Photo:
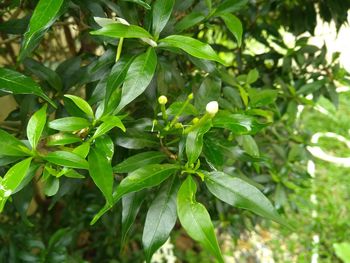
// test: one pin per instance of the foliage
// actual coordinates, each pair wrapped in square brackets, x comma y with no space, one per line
[178,111]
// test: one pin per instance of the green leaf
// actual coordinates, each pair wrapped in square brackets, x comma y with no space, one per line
[161,13]
[43,73]
[17,83]
[259,98]
[342,250]
[82,150]
[67,159]
[229,6]
[131,205]
[195,219]
[160,219]
[144,177]
[140,2]
[101,173]
[118,30]
[239,193]
[62,139]
[114,81]
[36,126]
[82,104]
[312,87]
[51,186]
[44,15]
[138,77]
[11,146]
[252,76]
[109,122]
[234,25]
[191,46]
[239,124]
[189,20]
[209,90]
[194,142]
[249,145]
[139,160]
[69,124]
[12,179]
[105,145]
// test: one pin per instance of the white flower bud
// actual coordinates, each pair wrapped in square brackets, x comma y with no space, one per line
[212,108]
[162,100]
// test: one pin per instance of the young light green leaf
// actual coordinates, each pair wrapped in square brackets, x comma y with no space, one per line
[109,122]
[195,218]
[82,104]
[239,193]
[234,25]
[44,15]
[191,46]
[139,160]
[131,205]
[36,126]
[11,146]
[194,142]
[17,83]
[67,159]
[161,218]
[161,13]
[12,179]
[118,30]
[101,173]
[69,124]
[138,77]
[252,76]
[62,139]
[144,177]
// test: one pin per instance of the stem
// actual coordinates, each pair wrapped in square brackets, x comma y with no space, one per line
[174,121]
[164,115]
[119,49]
[202,120]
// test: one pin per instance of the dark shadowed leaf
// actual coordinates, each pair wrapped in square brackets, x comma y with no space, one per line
[161,11]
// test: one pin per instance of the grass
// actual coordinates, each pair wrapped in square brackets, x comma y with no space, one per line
[331,187]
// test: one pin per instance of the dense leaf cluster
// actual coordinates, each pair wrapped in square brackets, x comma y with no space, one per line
[162,108]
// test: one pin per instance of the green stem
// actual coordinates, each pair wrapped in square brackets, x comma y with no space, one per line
[119,49]
[176,118]
[201,121]
[164,115]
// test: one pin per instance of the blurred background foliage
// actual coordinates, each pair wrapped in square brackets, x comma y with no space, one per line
[279,74]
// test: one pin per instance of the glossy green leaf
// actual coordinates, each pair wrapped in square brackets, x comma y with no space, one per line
[118,30]
[69,124]
[239,193]
[109,122]
[67,159]
[17,83]
[195,218]
[131,204]
[36,126]
[105,145]
[114,81]
[43,73]
[101,173]
[139,160]
[239,124]
[194,142]
[189,20]
[62,139]
[191,46]
[138,77]
[144,177]
[82,104]
[229,6]
[160,219]
[11,146]
[209,90]
[12,179]
[161,12]
[44,15]
[234,25]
